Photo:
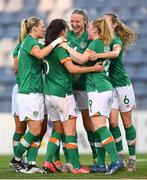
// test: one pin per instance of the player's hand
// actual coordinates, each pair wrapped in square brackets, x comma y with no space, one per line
[63,39]
[93,56]
[99,67]
[64,45]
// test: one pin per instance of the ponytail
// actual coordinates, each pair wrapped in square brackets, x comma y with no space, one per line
[127,35]
[23,30]
[26,26]
[105,31]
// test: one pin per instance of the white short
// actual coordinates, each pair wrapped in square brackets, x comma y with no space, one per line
[31,106]
[60,108]
[81,98]
[45,109]
[100,103]
[14,106]
[124,98]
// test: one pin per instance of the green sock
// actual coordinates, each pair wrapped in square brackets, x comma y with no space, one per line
[101,152]
[57,153]
[16,139]
[64,149]
[24,144]
[91,139]
[131,140]
[117,136]
[52,146]
[72,150]
[32,151]
[108,143]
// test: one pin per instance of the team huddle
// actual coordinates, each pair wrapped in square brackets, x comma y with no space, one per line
[78,68]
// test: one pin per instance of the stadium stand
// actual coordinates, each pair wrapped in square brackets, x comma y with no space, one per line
[2,5]
[14,6]
[133,12]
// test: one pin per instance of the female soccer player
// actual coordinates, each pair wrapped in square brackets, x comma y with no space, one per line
[30,98]
[20,127]
[100,90]
[77,38]
[59,99]
[124,101]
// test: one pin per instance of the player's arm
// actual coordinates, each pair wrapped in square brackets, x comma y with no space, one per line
[41,53]
[15,59]
[73,69]
[110,55]
[76,56]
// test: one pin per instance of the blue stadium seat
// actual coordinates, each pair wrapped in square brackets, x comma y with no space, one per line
[12,31]
[30,6]
[7,76]
[141,73]
[1,31]
[140,88]
[131,71]
[135,56]
[6,19]
[5,105]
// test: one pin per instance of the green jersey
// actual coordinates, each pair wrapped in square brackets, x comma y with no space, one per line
[15,54]
[57,78]
[79,43]
[98,81]
[16,50]
[118,75]
[29,68]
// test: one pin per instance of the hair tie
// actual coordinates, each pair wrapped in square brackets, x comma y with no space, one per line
[26,21]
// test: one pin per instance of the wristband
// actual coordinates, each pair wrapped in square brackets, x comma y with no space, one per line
[56,42]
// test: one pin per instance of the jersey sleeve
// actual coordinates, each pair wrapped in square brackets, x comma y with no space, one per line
[29,44]
[96,46]
[90,47]
[63,55]
[116,41]
[16,50]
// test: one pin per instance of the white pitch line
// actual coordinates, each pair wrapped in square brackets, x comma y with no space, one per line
[141,160]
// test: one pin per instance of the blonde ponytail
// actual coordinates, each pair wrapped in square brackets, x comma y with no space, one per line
[26,26]
[23,30]
[105,31]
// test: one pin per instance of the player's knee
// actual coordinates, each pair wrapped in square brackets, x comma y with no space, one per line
[127,124]
[113,124]
[36,131]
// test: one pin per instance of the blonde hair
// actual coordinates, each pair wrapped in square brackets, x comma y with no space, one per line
[127,35]
[105,30]
[26,26]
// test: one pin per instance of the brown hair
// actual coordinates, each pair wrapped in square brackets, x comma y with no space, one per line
[55,27]
[105,30]
[127,35]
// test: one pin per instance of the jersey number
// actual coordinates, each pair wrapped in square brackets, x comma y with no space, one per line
[106,65]
[126,100]
[46,67]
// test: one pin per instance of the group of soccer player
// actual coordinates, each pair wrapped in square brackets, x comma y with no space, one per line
[78,68]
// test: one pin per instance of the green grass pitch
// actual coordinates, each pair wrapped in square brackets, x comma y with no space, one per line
[8,173]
